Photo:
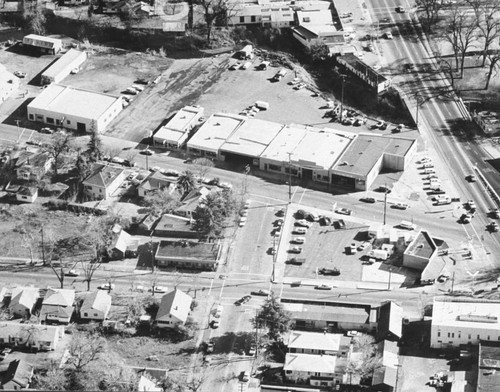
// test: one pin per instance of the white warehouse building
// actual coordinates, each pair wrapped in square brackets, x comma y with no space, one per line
[460,321]
[174,134]
[74,108]
[63,66]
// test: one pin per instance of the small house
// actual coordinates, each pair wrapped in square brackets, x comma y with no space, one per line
[57,306]
[33,336]
[23,301]
[27,194]
[96,306]
[174,309]
[15,375]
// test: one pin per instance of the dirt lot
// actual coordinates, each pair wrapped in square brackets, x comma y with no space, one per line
[325,247]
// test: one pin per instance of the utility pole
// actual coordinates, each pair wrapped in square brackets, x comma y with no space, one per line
[43,247]
[274,259]
[147,162]
[343,76]
[389,282]
[385,204]
[289,178]
[247,171]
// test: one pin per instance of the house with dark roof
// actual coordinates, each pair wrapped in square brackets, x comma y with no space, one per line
[96,306]
[191,201]
[156,181]
[103,181]
[174,309]
[175,227]
[32,166]
[15,375]
[23,300]
[389,321]
[188,254]
[57,306]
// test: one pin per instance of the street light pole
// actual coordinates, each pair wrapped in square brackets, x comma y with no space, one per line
[385,205]
[289,178]
[389,282]
[342,98]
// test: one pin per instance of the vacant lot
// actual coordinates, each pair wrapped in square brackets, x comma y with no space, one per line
[325,248]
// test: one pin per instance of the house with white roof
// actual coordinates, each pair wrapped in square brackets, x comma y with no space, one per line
[42,44]
[96,306]
[57,306]
[457,321]
[174,309]
[23,300]
[36,336]
[385,372]
[63,66]
[302,342]
[175,133]
[315,370]
[275,14]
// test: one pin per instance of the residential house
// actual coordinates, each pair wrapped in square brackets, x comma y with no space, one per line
[27,194]
[147,223]
[23,300]
[147,385]
[121,241]
[192,200]
[386,372]
[32,166]
[174,309]
[15,375]
[464,321]
[156,181]
[315,370]
[174,226]
[34,336]
[302,342]
[390,321]
[103,181]
[57,306]
[96,306]
[188,254]
[489,122]
[147,375]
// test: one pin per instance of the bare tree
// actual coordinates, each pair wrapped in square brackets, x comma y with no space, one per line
[216,12]
[430,10]
[131,156]
[111,152]
[488,23]
[84,349]
[202,167]
[89,268]
[494,62]
[460,33]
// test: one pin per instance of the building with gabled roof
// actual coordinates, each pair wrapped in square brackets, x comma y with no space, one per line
[303,342]
[36,336]
[276,14]
[156,181]
[74,108]
[96,306]
[315,370]
[27,194]
[23,300]
[103,181]
[15,375]
[63,66]
[385,373]
[32,166]
[57,305]
[390,321]
[174,309]
[175,133]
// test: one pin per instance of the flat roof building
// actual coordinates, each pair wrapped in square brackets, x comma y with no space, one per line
[174,134]
[488,379]
[63,66]
[363,71]
[188,254]
[42,44]
[420,251]
[74,108]
[213,134]
[458,321]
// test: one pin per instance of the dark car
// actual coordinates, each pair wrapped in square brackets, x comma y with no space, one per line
[296,261]
[329,271]
[368,200]
[301,214]
[243,300]
[281,212]
[383,189]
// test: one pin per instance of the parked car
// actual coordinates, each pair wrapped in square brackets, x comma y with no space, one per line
[20,74]
[72,273]
[295,249]
[363,246]
[471,178]
[368,200]
[300,230]
[4,353]
[343,211]
[303,223]
[244,376]
[131,90]
[298,240]
[295,261]
[388,35]
[329,271]
[147,151]
[210,347]
[383,189]
[465,218]
[471,205]
[47,130]
[280,212]
[159,289]
[400,206]
[252,350]
[243,221]
[106,286]
[493,226]
[352,334]
[494,213]
[214,324]
[400,9]
[323,287]
[235,66]
[398,128]
[260,292]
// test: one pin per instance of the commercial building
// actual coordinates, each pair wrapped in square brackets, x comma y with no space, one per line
[42,44]
[73,108]
[71,60]
[8,83]
[174,134]
[368,156]
[363,71]
[488,121]
[187,254]
[457,321]
[275,14]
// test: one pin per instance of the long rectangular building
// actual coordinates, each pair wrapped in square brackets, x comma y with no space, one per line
[63,66]
[74,108]
[42,44]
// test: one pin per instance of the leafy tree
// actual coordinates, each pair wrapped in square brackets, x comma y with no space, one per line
[273,317]
[52,379]
[210,215]
[186,182]
[430,12]
[83,165]
[161,201]
[95,148]
[202,167]
[215,12]
[318,50]
[57,148]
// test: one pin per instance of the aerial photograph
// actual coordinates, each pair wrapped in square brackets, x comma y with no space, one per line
[250,195]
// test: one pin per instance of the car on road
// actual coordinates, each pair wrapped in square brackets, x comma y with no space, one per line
[343,211]
[493,226]
[398,128]
[303,223]
[47,130]
[147,151]
[323,287]
[295,261]
[383,189]
[465,218]
[252,350]
[370,200]
[4,353]
[214,324]
[401,206]
[300,230]
[106,286]
[400,9]
[210,347]
[280,212]
[471,205]
[494,213]
[159,289]
[20,74]
[471,178]
[243,221]
[131,90]
[261,292]
[352,334]
[72,273]
[370,47]
[295,249]
[329,271]
[298,240]
[363,246]
[235,66]
[388,35]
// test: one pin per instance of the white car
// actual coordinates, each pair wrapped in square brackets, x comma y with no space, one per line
[107,286]
[401,206]
[242,222]
[343,211]
[75,71]
[159,289]
[388,35]
[303,223]
[131,90]
[298,240]
[296,249]
[300,230]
